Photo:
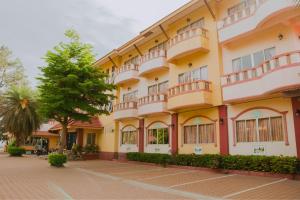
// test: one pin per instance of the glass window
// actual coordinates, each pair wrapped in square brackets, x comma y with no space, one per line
[260,129]
[160,46]
[246,62]
[152,89]
[276,128]
[204,73]
[129,137]
[258,58]
[91,139]
[237,64]
[269,53]
[196,24]
[158,136]
[190,134]
[246,130]
[200,73]
[206,133]
[163,87]
[132,96]
[159,88]
[134,60]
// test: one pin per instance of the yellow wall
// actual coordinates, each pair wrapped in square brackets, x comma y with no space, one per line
[107,137]
[53,142]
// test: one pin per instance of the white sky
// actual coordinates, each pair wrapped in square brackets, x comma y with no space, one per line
[31,27]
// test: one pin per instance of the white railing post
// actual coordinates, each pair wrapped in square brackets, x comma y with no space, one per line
[295,57]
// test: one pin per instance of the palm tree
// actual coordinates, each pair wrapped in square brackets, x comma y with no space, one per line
[18,113]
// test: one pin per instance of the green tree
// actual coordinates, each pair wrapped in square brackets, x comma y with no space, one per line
[18,113]
[71,87]
[11,70]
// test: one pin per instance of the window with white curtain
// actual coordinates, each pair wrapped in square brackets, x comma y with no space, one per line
[196,24]
[199,134]
[266,129]
[131,96]
[252,60]
[200,73]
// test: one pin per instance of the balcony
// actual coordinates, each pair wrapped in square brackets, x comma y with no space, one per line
[153,62]
[127,73]
[188,42]
[152,104]
[190,95]
[279,74]
[126,110]
[250,18]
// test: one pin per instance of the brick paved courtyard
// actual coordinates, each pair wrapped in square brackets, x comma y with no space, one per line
[32,178]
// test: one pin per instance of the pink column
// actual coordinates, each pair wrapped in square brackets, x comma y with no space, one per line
[174,146]
[141,135]
[223,129]
[296,114]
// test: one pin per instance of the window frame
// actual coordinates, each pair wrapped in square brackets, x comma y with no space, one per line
[258,129]
[129,134]
[189,76]
[198,135]
[253,57]
[201,24]
[165,135]
[91,139]
[134,96]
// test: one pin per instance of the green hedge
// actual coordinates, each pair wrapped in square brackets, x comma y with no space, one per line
[162,159]
[273,164]
[57,160]
[15,151]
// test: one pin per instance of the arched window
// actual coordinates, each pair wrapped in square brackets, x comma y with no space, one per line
[199,130]
[129,135]
[158,133]
[260,125]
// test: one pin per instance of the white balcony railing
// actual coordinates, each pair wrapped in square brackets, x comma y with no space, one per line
[189,87]
[153,55]
[152,99]
[268,66]
[126,73]
[125,106]
[241,14]
[190,33]
[126,68]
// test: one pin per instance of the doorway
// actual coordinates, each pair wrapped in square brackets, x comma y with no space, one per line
[71,139]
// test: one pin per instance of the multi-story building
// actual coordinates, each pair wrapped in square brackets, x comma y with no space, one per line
[217,76]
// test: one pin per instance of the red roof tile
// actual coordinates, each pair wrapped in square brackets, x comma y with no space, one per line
[93,124]
[44,133]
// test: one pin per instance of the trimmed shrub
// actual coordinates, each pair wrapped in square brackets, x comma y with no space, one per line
[89,148]
[57,160]
[15,151]
[162,159]
[273,164]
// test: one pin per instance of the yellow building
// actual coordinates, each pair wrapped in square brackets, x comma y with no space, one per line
[184,84]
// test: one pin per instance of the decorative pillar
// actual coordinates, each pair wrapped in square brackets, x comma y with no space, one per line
[223,129]
[296,116]
[79,136]
[174,124]
[141,135]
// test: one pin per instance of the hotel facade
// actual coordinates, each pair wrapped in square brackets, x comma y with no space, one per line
[213,77]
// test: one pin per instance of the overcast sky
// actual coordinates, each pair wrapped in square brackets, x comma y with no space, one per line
[31,27]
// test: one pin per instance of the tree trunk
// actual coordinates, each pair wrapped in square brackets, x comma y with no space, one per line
[62,139]
[18,140]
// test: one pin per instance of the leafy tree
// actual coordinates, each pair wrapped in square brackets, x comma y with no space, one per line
[71,87]
[11,70]
[18,113]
